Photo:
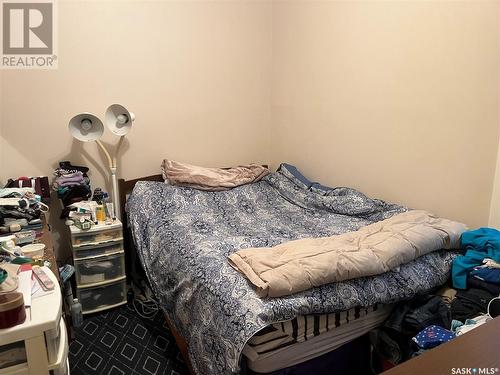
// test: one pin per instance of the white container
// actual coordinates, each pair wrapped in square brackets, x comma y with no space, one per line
[76,313]
[97,250]
[99,298]
[35,250]
[100,269]
[98,234]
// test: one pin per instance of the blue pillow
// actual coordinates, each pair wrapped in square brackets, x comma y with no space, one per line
[299,179]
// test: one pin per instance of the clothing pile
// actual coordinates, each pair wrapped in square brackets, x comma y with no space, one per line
[412,327]
[39,185]
[427,321]
[72,185]
[476,273]
[20,210]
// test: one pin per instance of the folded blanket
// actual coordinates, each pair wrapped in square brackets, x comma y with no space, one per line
[211,179]
[377,248]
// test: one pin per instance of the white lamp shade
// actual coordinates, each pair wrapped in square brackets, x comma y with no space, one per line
[86,127]
[118,119]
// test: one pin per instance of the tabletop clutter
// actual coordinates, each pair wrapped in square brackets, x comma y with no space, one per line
[22,272]
[23,202]
[73,189]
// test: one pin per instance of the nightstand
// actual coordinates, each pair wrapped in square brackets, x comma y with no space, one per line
[99,261]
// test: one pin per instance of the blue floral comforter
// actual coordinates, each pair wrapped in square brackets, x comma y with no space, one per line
[183,237]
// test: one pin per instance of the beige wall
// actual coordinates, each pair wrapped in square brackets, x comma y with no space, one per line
[197,75]
[398,99]
[494,219]
[2,157]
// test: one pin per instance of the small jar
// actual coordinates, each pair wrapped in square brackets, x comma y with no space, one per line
[12,310]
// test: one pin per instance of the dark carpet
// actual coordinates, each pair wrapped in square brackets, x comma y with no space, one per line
[119,341]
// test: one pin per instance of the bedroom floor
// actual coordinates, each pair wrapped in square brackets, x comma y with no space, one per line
[119,341]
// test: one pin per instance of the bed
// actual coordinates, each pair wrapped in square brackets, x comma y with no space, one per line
[182,237]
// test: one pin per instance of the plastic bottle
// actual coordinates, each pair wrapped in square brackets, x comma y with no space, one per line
[76,313]
[100,215]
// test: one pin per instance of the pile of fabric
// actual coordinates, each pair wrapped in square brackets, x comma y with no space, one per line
[72,184]
[20,209]
[428,321]
[476,273]
[411,328]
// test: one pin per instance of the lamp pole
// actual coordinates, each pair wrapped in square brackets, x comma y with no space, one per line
[112,163]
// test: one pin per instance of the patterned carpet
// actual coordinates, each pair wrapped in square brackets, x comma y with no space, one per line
[119,341]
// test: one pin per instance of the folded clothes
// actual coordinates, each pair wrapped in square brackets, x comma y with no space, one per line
[491,275]
[66,165]
[9,202]
[478,244]
[470,303]
[70,179]
[70,183]
[19,213]
[61,174]
[76,194]
[410,317]
[475,283]
[15,192]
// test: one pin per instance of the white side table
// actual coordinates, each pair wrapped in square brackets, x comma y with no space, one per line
[43,336]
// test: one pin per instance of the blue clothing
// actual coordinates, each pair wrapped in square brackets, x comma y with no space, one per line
[478,244]
[491,275]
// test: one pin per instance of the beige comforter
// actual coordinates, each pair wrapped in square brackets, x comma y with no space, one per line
[377,248]
[211,179]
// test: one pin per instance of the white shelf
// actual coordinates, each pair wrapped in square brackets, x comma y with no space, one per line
[62,353]
[90,245]
[101,283]
[104,308]
[45,314]
[99,256]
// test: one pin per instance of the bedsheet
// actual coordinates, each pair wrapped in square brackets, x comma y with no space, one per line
[183,237]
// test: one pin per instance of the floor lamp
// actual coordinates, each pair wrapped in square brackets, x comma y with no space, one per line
[87,127]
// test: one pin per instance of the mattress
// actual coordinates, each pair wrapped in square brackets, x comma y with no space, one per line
[303,338]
